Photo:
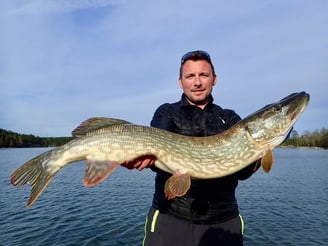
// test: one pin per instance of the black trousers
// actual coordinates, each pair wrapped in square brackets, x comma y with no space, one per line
[165,230]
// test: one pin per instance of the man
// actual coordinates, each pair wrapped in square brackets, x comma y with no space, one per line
[208,214]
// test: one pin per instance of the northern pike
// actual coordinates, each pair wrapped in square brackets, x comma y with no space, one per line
[106,143]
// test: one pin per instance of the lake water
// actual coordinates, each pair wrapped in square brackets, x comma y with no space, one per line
[288,206]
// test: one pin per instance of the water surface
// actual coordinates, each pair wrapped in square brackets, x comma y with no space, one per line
[288,206]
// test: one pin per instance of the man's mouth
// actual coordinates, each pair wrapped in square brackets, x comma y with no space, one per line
[198,91]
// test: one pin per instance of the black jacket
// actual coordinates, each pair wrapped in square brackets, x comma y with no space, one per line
[208,200]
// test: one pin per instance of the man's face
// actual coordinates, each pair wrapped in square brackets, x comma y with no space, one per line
[197,81]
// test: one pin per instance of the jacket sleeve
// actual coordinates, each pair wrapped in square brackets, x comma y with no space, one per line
[248,171]
[231,117]
[162,118]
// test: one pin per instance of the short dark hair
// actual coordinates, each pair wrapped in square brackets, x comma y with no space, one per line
[196,55]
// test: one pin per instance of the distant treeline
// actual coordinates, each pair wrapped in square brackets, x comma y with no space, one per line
[9,139]
[308,139]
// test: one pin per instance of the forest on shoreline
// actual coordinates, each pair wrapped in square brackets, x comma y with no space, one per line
[314,139]
[9,139]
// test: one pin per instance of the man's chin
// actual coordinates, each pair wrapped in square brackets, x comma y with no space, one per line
[199,101]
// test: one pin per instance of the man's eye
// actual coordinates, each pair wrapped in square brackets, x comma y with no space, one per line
[189,76]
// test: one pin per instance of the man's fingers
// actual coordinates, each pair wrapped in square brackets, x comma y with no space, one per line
[137,164]
[145,164]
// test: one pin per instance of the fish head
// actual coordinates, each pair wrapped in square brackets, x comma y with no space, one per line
[270,125]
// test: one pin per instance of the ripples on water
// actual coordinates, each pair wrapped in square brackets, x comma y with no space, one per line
[288,206]
[67,213]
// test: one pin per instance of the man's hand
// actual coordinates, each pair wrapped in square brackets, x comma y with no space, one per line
[140,163]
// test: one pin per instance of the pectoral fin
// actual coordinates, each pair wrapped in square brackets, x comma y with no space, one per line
[267,161]
[177,185]
[98,170]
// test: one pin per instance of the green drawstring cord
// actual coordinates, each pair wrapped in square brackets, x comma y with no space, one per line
[242,224]
[152,226]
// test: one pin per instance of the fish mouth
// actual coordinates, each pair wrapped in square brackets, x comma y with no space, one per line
[299,106]
[296,109]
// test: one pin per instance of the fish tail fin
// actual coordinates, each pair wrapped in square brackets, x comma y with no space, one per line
[177,185]
[98,170]
[35,173]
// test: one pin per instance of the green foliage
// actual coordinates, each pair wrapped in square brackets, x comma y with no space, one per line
[10,139]
[308,139]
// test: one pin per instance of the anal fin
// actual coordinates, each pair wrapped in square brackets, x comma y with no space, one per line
[177,185]
[98,170]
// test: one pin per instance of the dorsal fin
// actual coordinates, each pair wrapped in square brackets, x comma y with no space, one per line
[96,123]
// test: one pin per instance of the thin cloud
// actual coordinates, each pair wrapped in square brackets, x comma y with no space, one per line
[64,61]
[15,7]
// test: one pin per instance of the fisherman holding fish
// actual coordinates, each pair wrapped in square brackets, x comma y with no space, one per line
[198,150]
[208,213]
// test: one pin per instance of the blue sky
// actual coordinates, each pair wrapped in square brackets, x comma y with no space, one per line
[62,62]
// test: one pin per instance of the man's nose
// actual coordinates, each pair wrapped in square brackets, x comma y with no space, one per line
[198,80]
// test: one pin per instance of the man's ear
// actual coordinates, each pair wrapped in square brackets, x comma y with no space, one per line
[215,80]
[180,83]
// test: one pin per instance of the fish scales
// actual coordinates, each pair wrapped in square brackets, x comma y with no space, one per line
[205,158]
[106,143]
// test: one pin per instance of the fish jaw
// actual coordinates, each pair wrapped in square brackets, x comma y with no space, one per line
[270,125]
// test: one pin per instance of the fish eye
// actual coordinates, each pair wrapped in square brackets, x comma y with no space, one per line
[277,108]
